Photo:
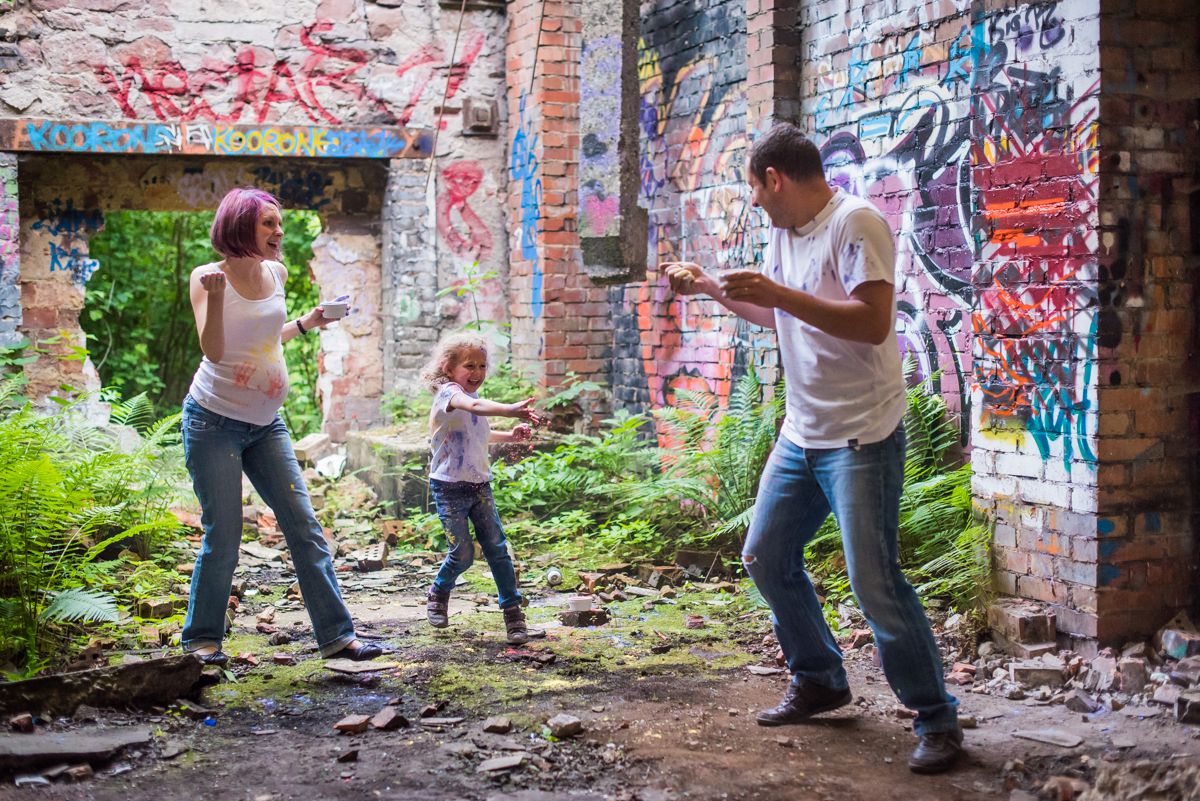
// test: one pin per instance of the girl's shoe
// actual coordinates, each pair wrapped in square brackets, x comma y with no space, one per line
[437,608]
[517,629]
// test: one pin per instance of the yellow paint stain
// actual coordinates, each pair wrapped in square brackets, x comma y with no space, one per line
[1008,435]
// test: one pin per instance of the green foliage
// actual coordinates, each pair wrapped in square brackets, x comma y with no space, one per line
[568,392]
[401,407]
[506,384]
[469,285]
[944,549]
[137,313]
[69,492]
[642,500]
[704,495]
[547,484]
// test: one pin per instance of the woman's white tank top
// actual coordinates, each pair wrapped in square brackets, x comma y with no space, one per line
[251,381]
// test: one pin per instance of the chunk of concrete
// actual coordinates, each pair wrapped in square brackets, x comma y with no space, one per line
[1035,674]
[1180,644]
[1187,707]
[590,617]
[563,725]
[24,751]
[152,682]
[312,448]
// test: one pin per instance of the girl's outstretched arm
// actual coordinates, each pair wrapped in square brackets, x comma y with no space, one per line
[487,408]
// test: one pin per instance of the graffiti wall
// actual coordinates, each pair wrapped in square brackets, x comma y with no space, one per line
[976,135]
[693,119]
[269,95]
[10,252]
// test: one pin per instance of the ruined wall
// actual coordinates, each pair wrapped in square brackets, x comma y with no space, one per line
[334,78]
[695,130]
[560,317]
[64,200]
[1148,382]
[974,130]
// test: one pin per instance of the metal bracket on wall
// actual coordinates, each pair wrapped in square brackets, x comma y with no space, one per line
[480,117]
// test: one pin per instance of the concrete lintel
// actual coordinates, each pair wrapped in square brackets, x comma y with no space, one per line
[209,139]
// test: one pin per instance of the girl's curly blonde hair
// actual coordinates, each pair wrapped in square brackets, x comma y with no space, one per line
[448,353]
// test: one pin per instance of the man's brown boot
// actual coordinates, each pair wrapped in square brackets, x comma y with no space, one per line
[802,701]
[437,608]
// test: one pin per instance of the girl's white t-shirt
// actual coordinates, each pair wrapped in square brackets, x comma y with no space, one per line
[251,380]
[839,393]
[459,439]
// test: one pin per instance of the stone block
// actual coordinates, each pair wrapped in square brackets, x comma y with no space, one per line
[374,558]
[1187,707]
[590,617]
[660,575]
[1036,674]
[1178,643]
[389,718]
[1131,675]
[353,724]
[313,447]
[1021,621]
[156,608]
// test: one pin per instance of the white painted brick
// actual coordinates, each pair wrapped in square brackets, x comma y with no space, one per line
[987,487]
[1033,517]
[1083,499]
[1019,464]
[1047,493]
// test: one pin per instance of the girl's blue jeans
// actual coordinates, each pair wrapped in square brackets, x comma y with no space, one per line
[457,503]
[217,450]
[861,485]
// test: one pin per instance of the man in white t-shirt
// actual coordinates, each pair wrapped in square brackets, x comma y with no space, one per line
[827,288]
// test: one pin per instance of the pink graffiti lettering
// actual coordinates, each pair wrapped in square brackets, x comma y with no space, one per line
[432,54]
[259,82]
[462,178]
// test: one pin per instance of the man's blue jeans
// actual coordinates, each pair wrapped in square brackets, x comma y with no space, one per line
[457,503]
[861,485]
[217,450]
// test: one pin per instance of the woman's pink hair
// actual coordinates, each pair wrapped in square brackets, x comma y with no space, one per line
[233,230]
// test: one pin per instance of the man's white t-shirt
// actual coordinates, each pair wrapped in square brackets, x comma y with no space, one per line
[459,440]
[839,393]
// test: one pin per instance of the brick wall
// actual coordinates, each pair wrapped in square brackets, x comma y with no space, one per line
[1149,406]
[975,134]
[695,128]
[320,78]
[561,320]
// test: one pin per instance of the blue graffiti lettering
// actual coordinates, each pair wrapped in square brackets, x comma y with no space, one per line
[523,167]
[77,264]
[65,219]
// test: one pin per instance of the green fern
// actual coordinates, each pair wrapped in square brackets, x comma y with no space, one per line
[68,493]
[85,606]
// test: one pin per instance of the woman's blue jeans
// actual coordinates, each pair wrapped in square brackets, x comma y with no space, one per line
[861,485]
[457,503]
[218,449]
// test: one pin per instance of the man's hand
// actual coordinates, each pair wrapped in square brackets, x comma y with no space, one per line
[751,286]
[686,277]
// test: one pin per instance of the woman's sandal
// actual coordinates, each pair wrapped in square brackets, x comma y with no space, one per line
[360,652]
[218,658]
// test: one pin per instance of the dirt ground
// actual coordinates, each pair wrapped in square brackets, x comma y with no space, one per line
[667,711]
